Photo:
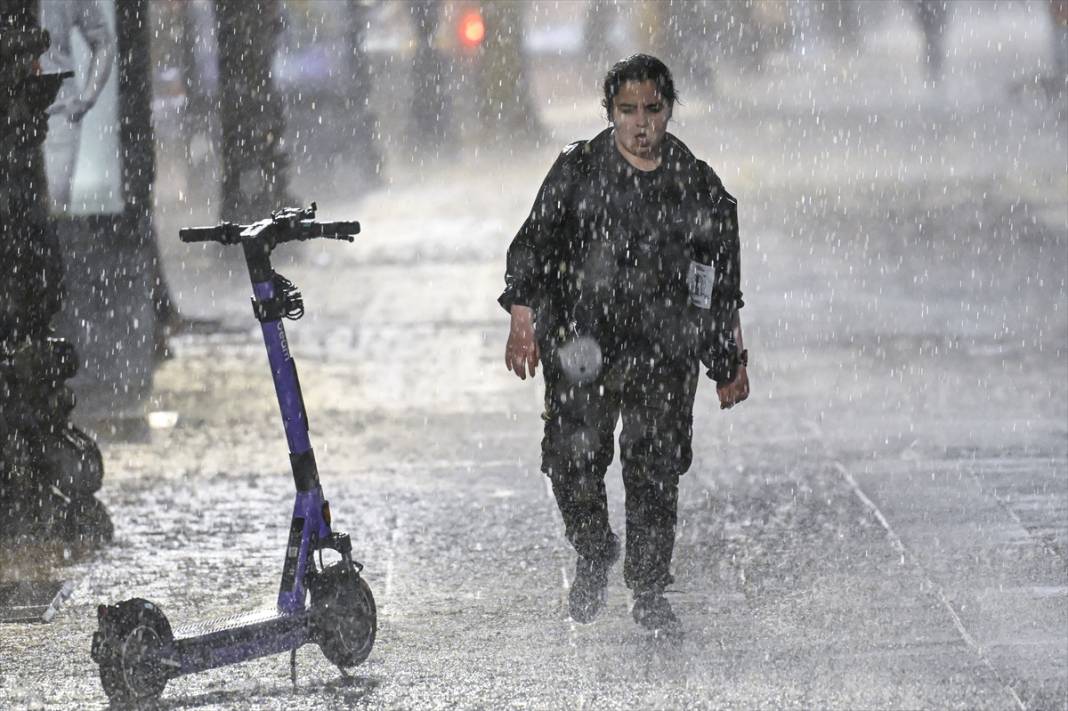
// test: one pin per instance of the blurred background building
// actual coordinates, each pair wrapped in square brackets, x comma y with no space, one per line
[364,83]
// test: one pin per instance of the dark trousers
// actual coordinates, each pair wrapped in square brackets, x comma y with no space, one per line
[655,400]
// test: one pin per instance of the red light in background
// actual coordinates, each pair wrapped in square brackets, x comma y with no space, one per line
[472,29]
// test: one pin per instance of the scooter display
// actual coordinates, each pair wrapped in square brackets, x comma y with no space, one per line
[137,650]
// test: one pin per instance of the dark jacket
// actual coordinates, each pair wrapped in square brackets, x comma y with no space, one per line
[607,249]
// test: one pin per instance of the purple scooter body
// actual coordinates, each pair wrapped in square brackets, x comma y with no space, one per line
[308,508]
[255,634]
[160,654]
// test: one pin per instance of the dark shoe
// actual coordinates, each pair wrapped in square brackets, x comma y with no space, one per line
[653,612]
[591,577]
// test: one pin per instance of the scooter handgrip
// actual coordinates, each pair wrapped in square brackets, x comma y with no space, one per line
[225,233]
[338,230]
[198,234]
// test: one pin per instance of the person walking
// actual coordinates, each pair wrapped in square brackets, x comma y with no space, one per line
[77,95]
[621,281]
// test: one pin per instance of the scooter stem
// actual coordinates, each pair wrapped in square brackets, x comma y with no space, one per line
[310,522]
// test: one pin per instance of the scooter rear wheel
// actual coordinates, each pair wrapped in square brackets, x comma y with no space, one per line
[133,636]
[344,615]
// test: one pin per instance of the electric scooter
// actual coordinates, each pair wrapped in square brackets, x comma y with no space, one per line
[134,645]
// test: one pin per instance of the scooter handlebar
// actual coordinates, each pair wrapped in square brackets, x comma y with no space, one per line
[230,233]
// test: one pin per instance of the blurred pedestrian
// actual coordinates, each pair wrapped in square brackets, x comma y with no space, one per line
[598,24]
[506,103]
[841,22]
[624,277]
[431,107]
[77,95]
[255,161]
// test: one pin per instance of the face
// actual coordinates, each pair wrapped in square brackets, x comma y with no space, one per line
[640,116]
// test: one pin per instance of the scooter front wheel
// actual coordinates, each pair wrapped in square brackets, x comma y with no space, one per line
[129,647]
[344,616]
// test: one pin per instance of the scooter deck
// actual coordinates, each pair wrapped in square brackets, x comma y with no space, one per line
[228,623]
[237,638]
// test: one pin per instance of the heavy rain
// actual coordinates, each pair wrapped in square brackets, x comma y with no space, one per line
[860,503]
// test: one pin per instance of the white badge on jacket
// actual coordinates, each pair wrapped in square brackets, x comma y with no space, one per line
[700,281]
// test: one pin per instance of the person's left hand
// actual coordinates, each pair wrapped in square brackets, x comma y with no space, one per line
[735,391]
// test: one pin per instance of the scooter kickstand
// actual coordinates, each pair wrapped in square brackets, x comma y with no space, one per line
[293,667]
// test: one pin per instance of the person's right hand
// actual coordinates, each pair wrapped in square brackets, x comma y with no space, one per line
[77,109]
[74,109]
[522,349]
[735,391]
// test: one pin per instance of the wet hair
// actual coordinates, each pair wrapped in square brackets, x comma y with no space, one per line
[638,67]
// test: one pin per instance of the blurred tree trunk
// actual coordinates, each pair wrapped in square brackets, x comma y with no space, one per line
[30,291]
[255,176]
[361,121]
[138,141]
[507,107]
